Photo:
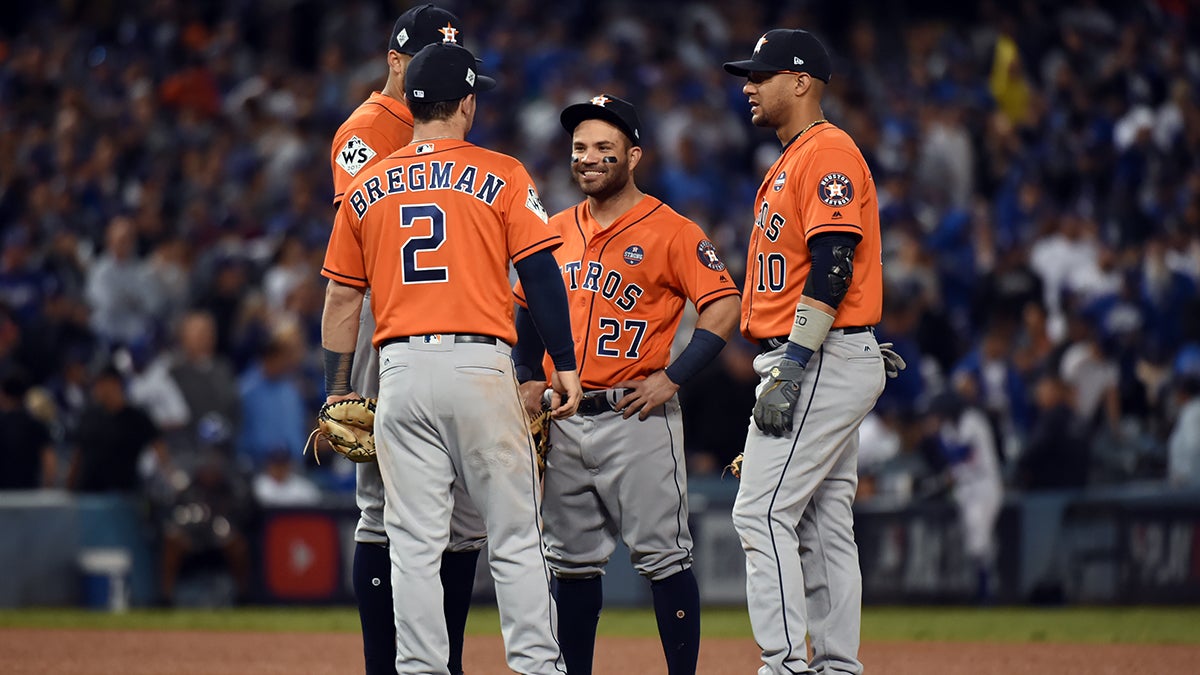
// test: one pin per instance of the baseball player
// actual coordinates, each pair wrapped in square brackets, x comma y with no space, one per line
[630,263]
[431,230]
[376,129]
[959,437]
[813,292]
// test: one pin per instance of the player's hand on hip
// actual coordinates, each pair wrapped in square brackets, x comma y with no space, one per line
[646,395]
[776,405]
[343,397]
[567,393]
[531,396]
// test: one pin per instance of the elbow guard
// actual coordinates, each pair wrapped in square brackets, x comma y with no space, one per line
[832,267]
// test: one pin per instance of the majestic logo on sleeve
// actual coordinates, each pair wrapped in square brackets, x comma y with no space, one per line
[707,253]
[835,190]
[533,203]
[634,255]
[354,155]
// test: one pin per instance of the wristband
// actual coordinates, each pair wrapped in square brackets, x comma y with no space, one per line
[700,351]
[337,372]
[810,326]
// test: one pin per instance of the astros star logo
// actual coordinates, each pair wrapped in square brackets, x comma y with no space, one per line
[601,100]
[761,41]
[836,190]
[449,33]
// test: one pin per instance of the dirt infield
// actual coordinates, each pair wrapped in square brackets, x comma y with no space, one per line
[88,652]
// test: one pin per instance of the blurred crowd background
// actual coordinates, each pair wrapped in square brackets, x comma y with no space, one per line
[165,201]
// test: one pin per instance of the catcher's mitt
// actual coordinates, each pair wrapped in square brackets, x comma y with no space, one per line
[735,467]
[349,426]
[539,428]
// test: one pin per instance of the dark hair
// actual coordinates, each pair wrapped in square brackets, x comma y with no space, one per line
[423,111]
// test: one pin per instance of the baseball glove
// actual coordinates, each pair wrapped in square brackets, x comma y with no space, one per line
[539,428]
[735,467]
[349,427]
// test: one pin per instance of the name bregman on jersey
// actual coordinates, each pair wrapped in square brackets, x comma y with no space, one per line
[421,176]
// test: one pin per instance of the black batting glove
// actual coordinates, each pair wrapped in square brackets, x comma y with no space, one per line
[773,411]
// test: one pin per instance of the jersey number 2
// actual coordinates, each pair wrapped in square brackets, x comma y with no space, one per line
[409,214]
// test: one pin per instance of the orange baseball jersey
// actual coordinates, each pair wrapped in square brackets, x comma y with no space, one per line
[820,183]
[376,129]
[431,230]
[627,285]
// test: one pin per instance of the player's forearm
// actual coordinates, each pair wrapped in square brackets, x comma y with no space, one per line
[339,320]
[547,298]
[339,335]
[713,327]
[828,281]
[528,352]
[720,316]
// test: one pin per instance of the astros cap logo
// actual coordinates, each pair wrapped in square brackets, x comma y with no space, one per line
[600,100]
[449,33]
[761,41]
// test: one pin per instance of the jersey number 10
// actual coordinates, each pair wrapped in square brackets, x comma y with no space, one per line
[772,272]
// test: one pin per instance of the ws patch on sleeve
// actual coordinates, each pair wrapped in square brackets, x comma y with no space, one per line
[533,203]
[354,155]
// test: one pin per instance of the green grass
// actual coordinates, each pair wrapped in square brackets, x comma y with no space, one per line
[1001,624]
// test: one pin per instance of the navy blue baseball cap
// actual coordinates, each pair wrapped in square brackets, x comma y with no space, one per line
[444,71]
[782,49]
[423,25]
[617,112]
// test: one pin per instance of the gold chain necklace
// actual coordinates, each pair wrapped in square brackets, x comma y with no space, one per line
[820,121]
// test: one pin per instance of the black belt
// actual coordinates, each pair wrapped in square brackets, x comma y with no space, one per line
[596,402]
[460,338]
[771,344]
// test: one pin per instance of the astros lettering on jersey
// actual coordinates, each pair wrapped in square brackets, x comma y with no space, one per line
[435,220]
[621,332]
[806,193]
[376,128]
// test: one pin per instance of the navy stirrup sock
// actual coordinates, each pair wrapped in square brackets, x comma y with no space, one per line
[677,609]
[458,582]
[579,604]
[373,590]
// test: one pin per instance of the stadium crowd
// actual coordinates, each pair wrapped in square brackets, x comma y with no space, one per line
[165,204]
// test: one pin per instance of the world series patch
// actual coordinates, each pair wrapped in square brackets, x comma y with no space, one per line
[634,255]
[835,190]
[707,253]
[778,184]
[354,155]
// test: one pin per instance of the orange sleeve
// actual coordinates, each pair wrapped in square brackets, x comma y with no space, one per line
[353,151]
[699,269]
[344,256]
[831,193]
[529,229]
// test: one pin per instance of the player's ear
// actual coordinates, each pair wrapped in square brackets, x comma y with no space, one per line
[397,62]
[635,156]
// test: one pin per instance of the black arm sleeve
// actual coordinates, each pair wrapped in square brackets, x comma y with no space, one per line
[528,352]
[832,266]
[547,299]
